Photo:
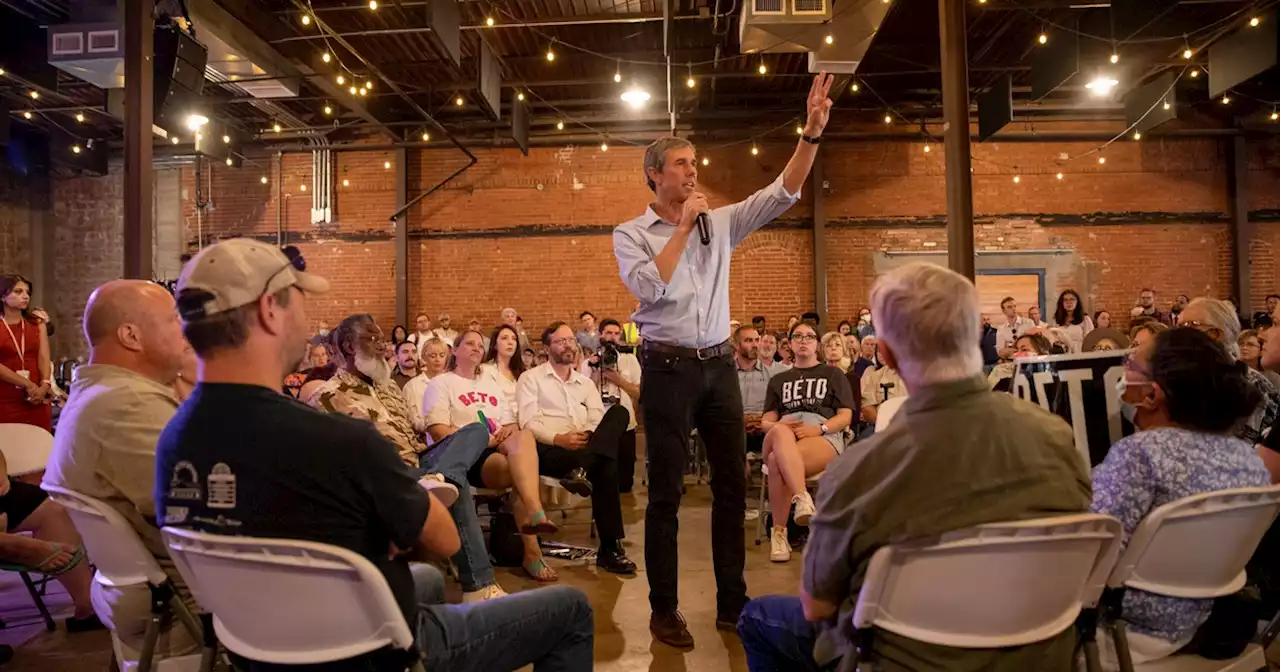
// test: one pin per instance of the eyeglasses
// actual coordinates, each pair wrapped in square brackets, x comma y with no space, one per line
[561,341]
[296,261]
[804,338]
[1200,326]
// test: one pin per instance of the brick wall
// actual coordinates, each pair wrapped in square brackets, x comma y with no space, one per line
[22,203]
[533,232]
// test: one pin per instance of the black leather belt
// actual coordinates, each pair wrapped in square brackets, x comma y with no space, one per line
[693,353]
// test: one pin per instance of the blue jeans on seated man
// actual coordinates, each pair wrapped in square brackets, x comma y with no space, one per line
[550,628]
[776,636]
[451,457]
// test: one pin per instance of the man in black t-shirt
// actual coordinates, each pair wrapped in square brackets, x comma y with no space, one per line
[240,458]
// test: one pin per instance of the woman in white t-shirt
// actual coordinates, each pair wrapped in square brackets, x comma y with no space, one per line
[462,396]
[433,358]
[1070,316]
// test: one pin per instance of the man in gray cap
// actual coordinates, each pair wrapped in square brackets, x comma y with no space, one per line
[241,458]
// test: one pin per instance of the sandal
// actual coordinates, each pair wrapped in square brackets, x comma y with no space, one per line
[540,572]
[538,524]
[49,566]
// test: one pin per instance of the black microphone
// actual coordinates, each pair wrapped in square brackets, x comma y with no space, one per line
[704,231]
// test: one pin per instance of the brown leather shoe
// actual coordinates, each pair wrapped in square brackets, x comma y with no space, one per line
[670,629]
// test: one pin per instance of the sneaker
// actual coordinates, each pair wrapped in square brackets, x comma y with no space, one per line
[804,508]
[751,515]
[490,592]
[436,485]
[779,549]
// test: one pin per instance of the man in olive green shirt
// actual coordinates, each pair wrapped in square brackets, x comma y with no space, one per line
[955,456]
[105,447]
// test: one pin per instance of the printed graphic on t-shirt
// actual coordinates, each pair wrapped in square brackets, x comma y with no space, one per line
[482,402]
[821,389]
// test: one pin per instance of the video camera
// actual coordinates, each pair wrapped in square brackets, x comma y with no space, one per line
[606,356]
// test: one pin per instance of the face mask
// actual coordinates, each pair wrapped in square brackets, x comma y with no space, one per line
[1130,412]
[376,368]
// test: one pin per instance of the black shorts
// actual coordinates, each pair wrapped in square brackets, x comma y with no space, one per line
[475,475]
[21,501]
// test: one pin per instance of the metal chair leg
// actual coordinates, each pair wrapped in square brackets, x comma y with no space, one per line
[1121,639]
[764,484]
[147,656]
[35,596]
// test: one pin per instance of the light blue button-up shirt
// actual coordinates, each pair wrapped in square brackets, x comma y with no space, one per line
[692,310]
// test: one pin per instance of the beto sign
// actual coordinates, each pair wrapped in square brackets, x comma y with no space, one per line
[1082,389]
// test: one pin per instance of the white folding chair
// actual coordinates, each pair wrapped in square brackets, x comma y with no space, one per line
[291,602]
[122,560]
[26,448]
[997,585]
[1195,548]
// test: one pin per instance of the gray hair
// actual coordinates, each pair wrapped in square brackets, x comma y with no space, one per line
[929,317]
[868,337]
[1220,314]
[656,154]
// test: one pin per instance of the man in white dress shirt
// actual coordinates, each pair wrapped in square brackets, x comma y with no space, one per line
[1010,328]
[563,410]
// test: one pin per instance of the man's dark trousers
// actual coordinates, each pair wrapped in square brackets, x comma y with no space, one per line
[600,460]
[679,394]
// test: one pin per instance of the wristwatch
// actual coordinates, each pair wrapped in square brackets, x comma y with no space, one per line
[811,139]
[824,429]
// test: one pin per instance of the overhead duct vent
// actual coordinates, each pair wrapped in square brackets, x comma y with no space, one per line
[797,26]
[93,52]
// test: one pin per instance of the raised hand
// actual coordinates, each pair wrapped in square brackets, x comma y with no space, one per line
[818,105]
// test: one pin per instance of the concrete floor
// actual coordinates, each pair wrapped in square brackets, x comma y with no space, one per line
[621,605]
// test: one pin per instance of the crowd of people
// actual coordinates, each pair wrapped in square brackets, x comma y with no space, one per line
[400,426]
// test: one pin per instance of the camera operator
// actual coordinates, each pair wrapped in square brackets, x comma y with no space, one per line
[616,372]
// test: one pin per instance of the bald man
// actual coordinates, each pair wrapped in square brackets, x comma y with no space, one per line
[106,442]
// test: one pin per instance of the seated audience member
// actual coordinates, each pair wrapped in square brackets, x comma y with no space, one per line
[853,347]
[315,378]
[432,359]
[1010,327]
[1250,343]
[563,410]
[1102,319]
[987,344]
[105,447]
[865,327]
[866,361]
[1263,319]
[244,313]
[588,336]
[1033,314]
[1180,303]
[1188,397]
[460,397]
[768,347]
[422,333]
[475,326]
[623,385]
[317,356]
[540,357]
[501,366]
[399,335]
[878,386]
[1027,345]
[812,318]
[921,478]
[758,323]
[1218,319]
[785,355]
[844,328]
[529,357]
[442,330]
[792,320]
[833,351]
[806,411]
[1105,339]
[1145,330]
[1071,318]
[753,381]
[406,364]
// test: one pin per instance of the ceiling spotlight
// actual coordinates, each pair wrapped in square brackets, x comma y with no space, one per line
[830,39]
[1115,58]
[1137,136]
[264,179]
[763,69]
[426,137]
[306,19]
[1059,176]
[520,96]
[888,119]
[302,187]
[27,115]
[173,139]
[35,95]
[1044,39]
[488,21]
[75,149]
[341,80]
[755,151]
[1254,22]
[458,101]
[196,121]
[80,117]
[559,125]
[1195,73]
[1017,179]
[386,165]
[328,110]
[604,146]
[691,82]
[346,183]
[636,98]
[1226,99]
[706,161]
[326,57]
[1102,85]
[1187,53]
[228,160]
[373,4]
[275,127]
[226,139]
[1102,160]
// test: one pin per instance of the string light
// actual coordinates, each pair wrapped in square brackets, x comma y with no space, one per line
[26,115]
[1167,105]
[386,165]
[706,161]
[226,139]
[353,90]
[1102,160]
[228,160]
[854,87]
[617,73]
[982,2]
[426,137]
[302,187]
[275,127]
[264,179]
[559,125]
[799,130]
[1187,53]
[1059,176]
[328,110]
[364,91]
[1275,115]
[1226,99]
[326,57]
[75,149]
[763,69]
[1115,58]
[604,146]
[1195,73]
[888,119]
[1044,38]
[1,72]
[926,148]
[488,21]
[1017,179]
[80,117]
[341,80]
[755,151]
[306,19]
[369,85]
[373,4]
[830,39]
[691,82]
[458,101]
[35,95]
[346,183]
[551,53]
[174,139]
[1253,23]
[1137,136]
[520,97]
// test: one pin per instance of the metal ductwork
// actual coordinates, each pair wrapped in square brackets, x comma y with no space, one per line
[322,210]
[797,26]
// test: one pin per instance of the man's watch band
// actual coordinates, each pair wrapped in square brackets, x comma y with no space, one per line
[811,139]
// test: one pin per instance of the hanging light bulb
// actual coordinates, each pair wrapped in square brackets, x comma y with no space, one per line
[926,148]
[551,54]
[306,19]
[854,87]
[559,125]
[755,151]
[1195,73]
[763,69]
[1275,115]
[799,129]
[27,115]
[1167,105]
[1253,23]
[691,82]
[386,165]
[275,127]
[173,139]
[706,161]
[1102,160]
[604,146]
[75,149]
[1115,58]
[617,73]
[1059,176]
[264,179]
[1137,136]
[364,91]
[1226,99]
[1017,179]
[226,139]
[228,160]
[353,90]
[1187,53]
[326,57]
[80,117]
[1044,38]
[520,96]
[341,80]
[1,72]
[346,182]
[830,39]
[328,110]
[373,4]
[426,137]
[888,119]
[488,21]
[458,101]
[35,95]
[302,187]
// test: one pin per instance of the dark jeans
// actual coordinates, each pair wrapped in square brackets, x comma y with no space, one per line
[627,461]
[681,393]
[776,636]
[552,628]
[451,458]
[600,460]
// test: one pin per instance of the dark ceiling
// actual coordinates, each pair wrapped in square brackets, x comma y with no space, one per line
[393,48]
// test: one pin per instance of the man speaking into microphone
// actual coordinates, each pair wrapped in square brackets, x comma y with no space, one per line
[681,278]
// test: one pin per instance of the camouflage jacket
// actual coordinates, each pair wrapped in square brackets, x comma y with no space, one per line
[382,404]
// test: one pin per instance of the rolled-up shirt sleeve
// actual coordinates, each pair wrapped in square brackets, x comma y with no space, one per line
[636,266]
[758,209]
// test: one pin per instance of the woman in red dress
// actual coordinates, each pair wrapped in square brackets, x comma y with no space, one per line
[25,368]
